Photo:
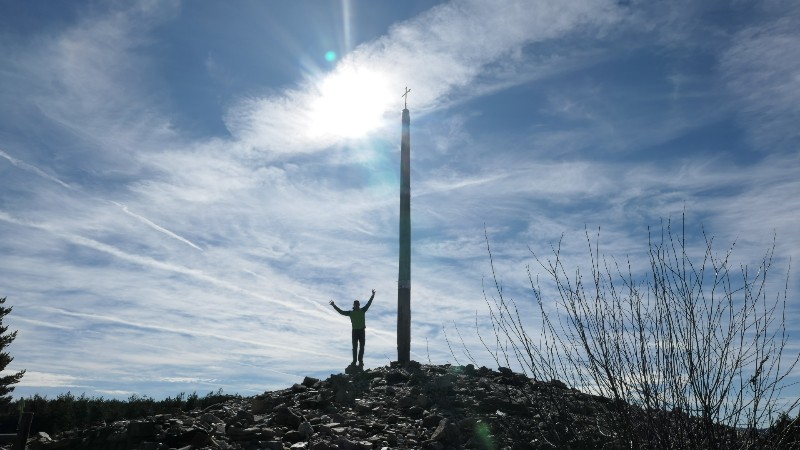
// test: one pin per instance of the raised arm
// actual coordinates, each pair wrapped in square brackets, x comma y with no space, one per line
[370,301]
[344,313]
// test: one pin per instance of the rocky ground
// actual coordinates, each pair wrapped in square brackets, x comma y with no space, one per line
[411,407]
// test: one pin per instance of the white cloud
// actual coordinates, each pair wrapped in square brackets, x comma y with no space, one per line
[46,379]
[116,392]
[185,380]
[760,69]
[88,82]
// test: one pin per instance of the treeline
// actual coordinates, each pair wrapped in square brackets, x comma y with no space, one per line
[66,411]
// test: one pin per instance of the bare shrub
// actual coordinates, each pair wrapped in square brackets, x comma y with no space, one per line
[691,354]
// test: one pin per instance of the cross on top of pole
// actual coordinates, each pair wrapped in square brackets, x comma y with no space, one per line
[405,96]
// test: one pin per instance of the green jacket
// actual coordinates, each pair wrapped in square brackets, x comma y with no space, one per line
[356,316]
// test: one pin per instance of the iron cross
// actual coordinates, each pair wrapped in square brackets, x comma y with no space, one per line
[405,102]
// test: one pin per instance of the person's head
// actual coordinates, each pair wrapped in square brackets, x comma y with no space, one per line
[356,305]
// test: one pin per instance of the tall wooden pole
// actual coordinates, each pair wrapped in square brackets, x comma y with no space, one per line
[404,277]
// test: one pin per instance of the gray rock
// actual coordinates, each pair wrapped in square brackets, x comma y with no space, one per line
[293,436]
[196,437]
[431,421]
[321,446]
[143,429]
[416,412]
[285,416]
[244,417]
[446,432]
[346,444]
[306,430]
[396,377]
[444,382]
[423,401]
[210,419]
[309,381]
[43,436]
[260,405]
[405,401]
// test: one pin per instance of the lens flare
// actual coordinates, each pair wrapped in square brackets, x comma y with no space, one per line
[483,436]
[330,56]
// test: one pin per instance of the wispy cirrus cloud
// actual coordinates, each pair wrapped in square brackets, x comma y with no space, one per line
[760,68]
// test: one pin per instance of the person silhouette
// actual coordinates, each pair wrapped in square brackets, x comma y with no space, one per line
[359,325]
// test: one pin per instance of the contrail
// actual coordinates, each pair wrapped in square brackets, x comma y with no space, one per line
[155,226]
[144,260]
[31,168]
[176,330]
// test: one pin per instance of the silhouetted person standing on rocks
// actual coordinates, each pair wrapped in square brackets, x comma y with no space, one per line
[359,325]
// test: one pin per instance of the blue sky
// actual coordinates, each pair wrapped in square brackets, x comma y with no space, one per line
[185,185]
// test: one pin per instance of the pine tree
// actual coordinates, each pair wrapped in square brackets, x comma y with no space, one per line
[7,381]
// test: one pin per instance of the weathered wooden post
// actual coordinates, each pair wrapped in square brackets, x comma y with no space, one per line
[23,430]
[20,439]
[404,277]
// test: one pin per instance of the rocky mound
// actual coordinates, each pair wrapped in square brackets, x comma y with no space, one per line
[411,407]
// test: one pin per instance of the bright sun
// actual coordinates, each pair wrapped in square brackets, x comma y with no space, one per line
[351,103]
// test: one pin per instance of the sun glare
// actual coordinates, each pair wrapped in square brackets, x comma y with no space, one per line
[351,103]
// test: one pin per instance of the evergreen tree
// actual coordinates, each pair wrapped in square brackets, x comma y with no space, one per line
[7,381]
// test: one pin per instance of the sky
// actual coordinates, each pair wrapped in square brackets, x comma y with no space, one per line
[186,185]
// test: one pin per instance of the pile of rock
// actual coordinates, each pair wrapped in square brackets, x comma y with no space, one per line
[410,407]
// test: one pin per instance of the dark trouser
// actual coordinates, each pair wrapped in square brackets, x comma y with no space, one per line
[358,336]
